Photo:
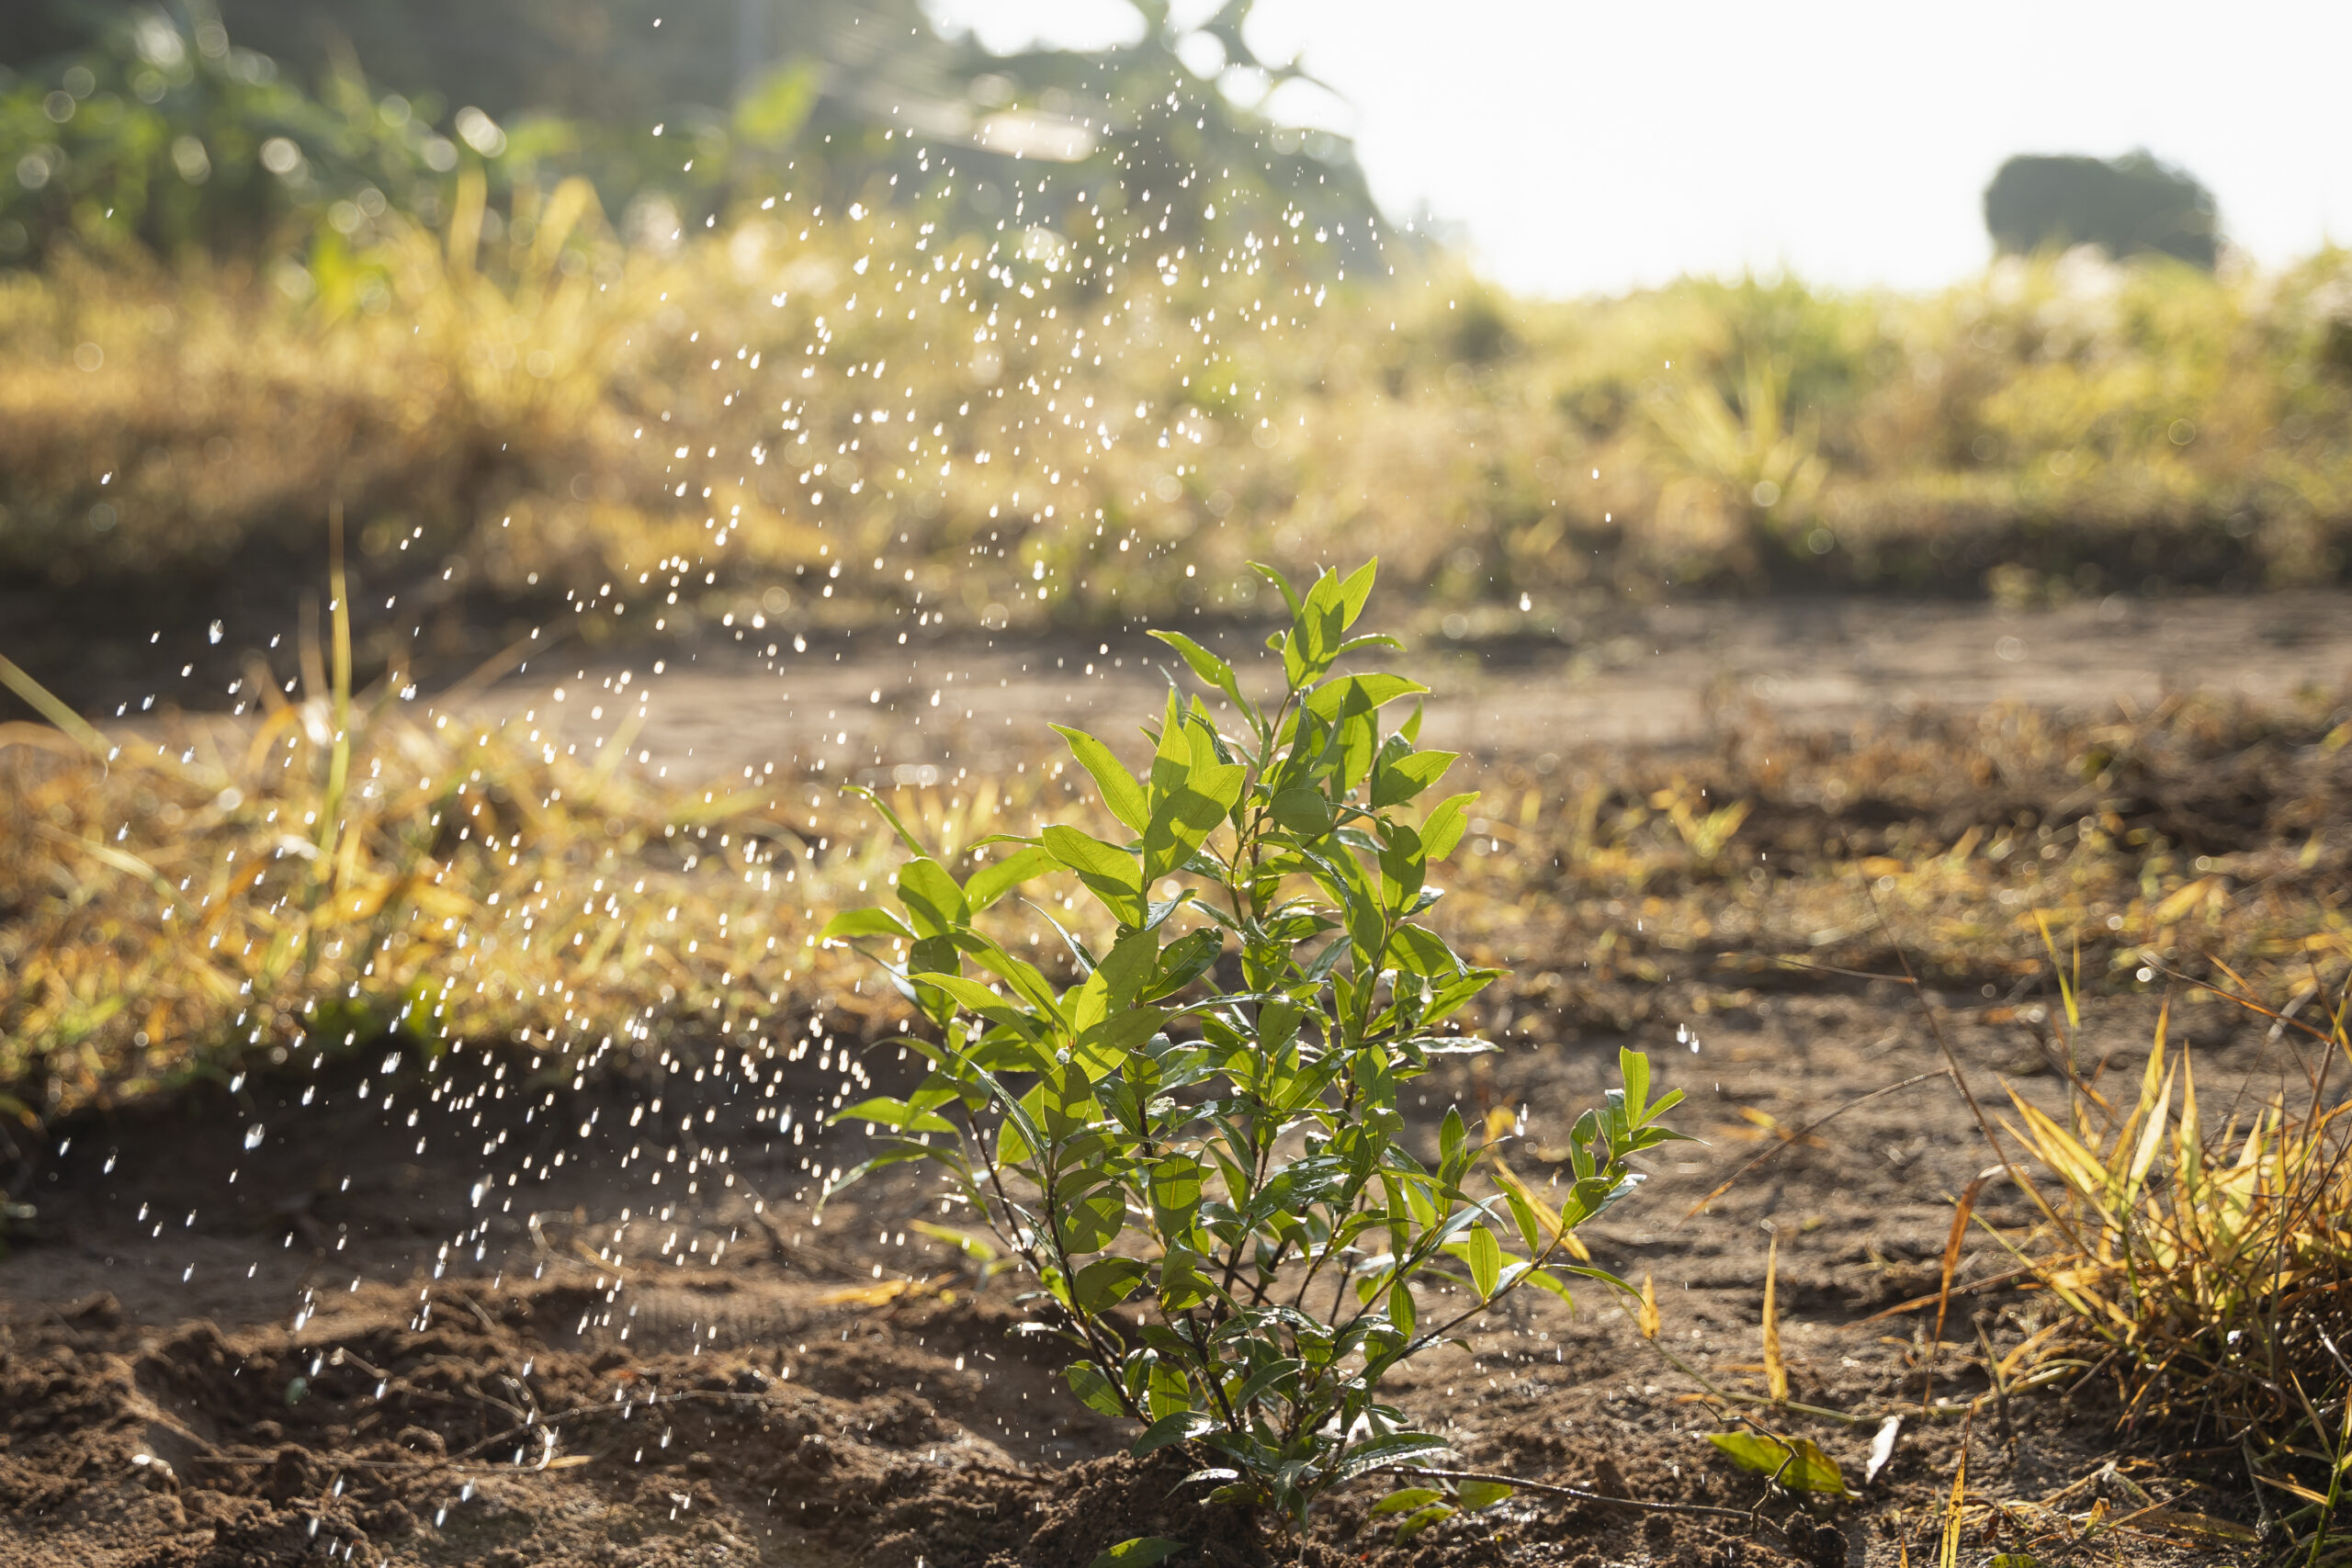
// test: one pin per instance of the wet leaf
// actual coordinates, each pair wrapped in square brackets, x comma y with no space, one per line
[1139,1552]
[1799,1466]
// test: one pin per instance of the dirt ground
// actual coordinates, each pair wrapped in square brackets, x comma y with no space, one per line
[1661,676]
[356,1315]
[328,1345]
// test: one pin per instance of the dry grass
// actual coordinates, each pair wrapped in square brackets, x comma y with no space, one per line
[210,893]
[2209,1266]
[201,892]
[553,420]
[1620,889]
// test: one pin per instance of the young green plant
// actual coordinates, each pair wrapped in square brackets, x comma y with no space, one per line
[1195,1143]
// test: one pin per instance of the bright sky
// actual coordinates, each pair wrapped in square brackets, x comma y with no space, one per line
[1590,147]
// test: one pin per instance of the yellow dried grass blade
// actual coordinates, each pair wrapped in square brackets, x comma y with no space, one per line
[1648,1319]
[2152,1137]
[1546,1215]
[49,707]
[2189,1145]
[2067,991]
[1948,1553]
[2057,1149]
[1966,1207]
[2126,1136]
[1776,1371]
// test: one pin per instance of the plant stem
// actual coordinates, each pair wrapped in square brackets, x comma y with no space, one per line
[1579,1492]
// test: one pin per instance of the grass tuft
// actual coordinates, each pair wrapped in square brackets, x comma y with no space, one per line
[2210,1268]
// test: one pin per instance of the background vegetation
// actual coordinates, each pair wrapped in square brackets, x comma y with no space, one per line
[544,362]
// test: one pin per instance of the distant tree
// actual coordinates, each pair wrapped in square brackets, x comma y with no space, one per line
[2126,206]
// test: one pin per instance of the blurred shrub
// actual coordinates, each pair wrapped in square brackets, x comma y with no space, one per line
[2125,206]
[170,136]
[893,413]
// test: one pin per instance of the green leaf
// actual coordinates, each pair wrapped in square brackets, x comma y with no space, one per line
[1400,1309]
[864,922]
[1120,791]
[1318,624]
[1182,1284]
[1130,962]
[1403,867]
[1166,1389]
[934,901]
[1088,1222]
[894,1114]
[975,997]
[1801,1466]
[1090,856]
[1093,1390]
[1485,1256]
[1396,783]
[1140,1552]
[1634,1068]
[1356,589]
[997,878]
[970,1245]
[1452,1136]
[1192,793]
[1206,665]
[1359,693]
[906,834]
[1183,962]
[865,1168]
[1397,1448]
[1105,1282]
[1414,1524]
[1476,1495]
[1303,810]
[1416,951]
[1278,1370]
[1522,1215]
[1290,594]
[1027,981]
[1405,1499]
[1176,1187]
[1443,827]
[1111,874]
[1550,1282]
[1179,1427]
[1016,1115]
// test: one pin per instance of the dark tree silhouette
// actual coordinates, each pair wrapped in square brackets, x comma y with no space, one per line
[2127,206]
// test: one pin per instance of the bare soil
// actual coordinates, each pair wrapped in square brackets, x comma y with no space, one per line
[1661,676]
[353,1314]
[331,1346]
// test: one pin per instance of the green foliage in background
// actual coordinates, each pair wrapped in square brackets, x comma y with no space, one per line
[1069,410]
[156,127]
[1079,383]
[1195,1143]
[170,136]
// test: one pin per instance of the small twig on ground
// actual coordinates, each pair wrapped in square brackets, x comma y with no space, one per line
[1788,1138]
[2000,1384]
[1551,1489]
